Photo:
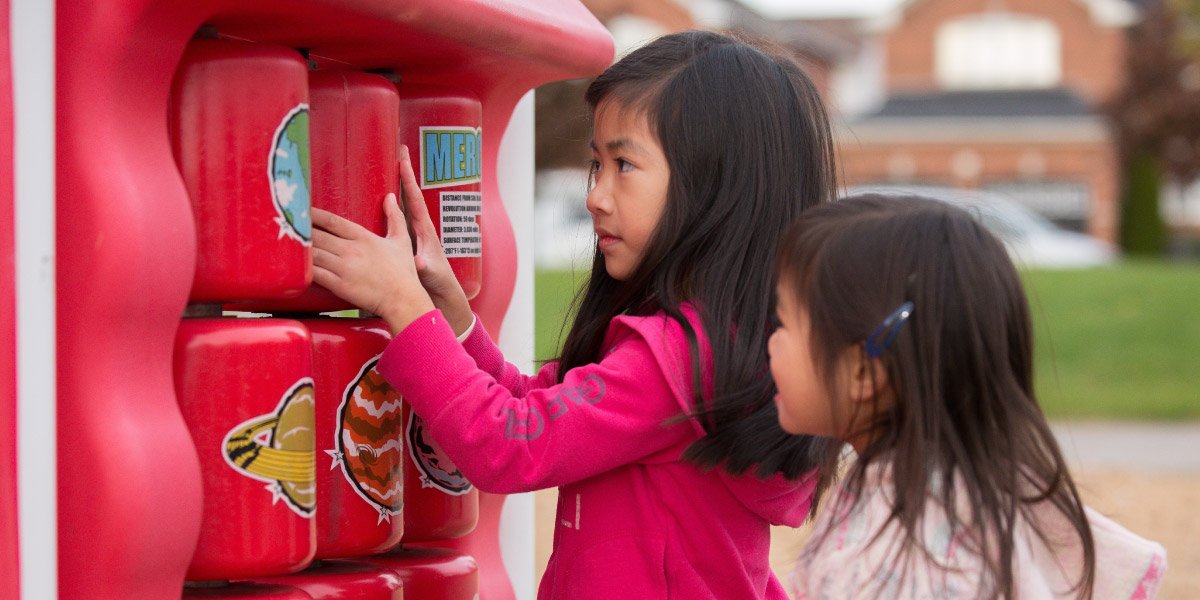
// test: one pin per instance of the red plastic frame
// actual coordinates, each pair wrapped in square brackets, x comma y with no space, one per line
[129,481]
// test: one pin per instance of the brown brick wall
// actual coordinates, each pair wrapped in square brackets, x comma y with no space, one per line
[1092,55]
[1090,163]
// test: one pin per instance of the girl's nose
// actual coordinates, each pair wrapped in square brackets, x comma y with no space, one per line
[598,200]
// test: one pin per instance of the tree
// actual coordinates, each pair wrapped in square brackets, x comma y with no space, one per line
[1157,115]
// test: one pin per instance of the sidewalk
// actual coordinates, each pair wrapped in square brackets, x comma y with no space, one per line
[1133,446]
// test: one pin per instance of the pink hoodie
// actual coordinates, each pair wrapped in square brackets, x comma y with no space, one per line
[633,521]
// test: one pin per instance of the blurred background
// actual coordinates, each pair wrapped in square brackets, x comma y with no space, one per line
[1070,127]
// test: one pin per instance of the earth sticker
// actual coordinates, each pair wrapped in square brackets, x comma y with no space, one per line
[368,441]
[437,470]
[277,448]
[290,179]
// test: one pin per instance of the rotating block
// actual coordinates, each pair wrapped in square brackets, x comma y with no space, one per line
[360,432]
[442,129]
[244,590]
[354,121]
[439,502]
[432,573]
[337,579]
[246,392]
[239,125]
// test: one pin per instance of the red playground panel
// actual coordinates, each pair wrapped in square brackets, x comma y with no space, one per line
[174,190]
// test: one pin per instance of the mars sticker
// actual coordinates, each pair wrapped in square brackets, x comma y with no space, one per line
[437,470]
[289,172]
[278,448]
[368,441]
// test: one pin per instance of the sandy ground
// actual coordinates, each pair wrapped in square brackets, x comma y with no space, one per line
[1161,506]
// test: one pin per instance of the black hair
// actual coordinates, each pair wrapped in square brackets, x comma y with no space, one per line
[960,372]
[748,145]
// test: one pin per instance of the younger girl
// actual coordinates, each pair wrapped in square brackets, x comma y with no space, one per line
[906,333]
[660,406]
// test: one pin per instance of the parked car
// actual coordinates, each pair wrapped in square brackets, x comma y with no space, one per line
[564,238]
[1032,240]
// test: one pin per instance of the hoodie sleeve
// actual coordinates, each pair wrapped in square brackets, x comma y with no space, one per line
[522,434]
[489,360]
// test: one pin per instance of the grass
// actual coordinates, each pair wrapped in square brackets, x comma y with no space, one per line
[1119,343]
[1112,343]
[553,292]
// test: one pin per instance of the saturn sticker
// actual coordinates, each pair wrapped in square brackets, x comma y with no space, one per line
[278,449]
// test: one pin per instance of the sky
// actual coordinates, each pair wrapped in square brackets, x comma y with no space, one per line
[819,8]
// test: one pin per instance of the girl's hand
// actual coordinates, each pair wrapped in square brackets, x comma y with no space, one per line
[432,266]
[376,274]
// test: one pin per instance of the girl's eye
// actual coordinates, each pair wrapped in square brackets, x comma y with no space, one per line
[623,165]
[593,166]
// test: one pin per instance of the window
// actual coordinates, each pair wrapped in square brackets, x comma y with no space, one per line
[998,51]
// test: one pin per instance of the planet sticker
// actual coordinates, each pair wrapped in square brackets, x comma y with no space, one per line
[437,470]
[278,448]
[288,170]
[368,441]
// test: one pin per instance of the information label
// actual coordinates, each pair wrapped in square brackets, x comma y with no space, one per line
[460,224]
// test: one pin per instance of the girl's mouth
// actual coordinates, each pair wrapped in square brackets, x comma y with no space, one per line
[604,240]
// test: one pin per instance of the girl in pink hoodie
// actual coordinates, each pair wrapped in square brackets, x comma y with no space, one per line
[656,422]
[905,332]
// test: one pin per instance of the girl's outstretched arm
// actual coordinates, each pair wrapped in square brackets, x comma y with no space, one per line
[603,415]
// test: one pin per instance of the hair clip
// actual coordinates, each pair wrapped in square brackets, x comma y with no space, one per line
[888,330]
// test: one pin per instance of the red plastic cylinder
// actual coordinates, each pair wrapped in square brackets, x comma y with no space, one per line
[239,131]
[360,432]
[244,590]
[245,390]
[442,129]
[353,123]
[432,573]
[338,579]
[439,502]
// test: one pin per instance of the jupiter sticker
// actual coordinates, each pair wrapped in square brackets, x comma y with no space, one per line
[369,447]
[277,449]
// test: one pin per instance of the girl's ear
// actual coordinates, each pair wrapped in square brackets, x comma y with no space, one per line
[868,376]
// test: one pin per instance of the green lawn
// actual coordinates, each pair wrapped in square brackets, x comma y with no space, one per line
[1119,343]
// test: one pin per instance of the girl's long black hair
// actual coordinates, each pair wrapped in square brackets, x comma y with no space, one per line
[960,369]
[748,145]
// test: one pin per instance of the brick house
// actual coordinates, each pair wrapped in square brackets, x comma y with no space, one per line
[994,94]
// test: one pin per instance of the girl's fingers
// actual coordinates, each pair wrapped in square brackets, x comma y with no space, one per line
[397,226]
[324,277]
[327,261]
[414,200]
[325,241]
[343,228]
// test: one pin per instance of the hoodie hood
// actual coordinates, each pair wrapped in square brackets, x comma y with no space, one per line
[776,499]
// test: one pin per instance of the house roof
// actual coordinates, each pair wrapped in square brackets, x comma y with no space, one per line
[988,103]
[1007,116]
